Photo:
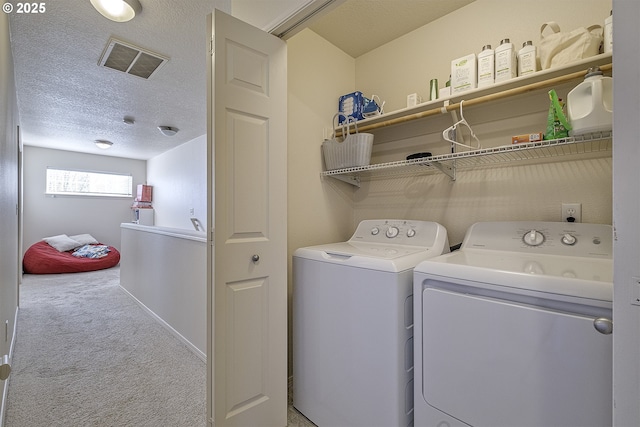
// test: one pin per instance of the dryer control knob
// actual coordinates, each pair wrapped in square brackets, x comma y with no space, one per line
[569,239]
[375,231]
[533,238]
[392,232]
[411,232]
[603,325]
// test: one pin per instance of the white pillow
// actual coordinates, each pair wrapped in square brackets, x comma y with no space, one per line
[62,242]
[84,239]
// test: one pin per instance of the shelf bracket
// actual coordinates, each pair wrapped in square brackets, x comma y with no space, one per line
[353,180]
[450,171]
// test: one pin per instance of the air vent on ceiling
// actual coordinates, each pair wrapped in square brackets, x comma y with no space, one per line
[131,59]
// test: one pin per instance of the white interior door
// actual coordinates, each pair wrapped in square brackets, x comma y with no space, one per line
[247,349]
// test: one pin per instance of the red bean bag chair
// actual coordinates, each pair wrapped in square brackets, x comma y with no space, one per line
[42,258]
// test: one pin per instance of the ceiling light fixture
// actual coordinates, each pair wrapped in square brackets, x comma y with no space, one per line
[118,10]
[104,144]
[168,130]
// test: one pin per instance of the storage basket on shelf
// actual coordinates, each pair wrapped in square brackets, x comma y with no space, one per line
[354,149]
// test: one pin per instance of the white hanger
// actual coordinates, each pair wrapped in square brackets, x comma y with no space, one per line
[450,134]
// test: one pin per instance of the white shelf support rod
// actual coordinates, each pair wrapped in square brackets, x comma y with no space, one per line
[349,179]
[450,171]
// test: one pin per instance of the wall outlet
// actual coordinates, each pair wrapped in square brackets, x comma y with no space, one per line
[192,212]
[571,212]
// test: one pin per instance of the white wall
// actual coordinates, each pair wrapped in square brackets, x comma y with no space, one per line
[626,208]
[165,270]
[320,211]
[9,225]
[404,66]
[179,179]
[407,64]
[100,216]
[521,192]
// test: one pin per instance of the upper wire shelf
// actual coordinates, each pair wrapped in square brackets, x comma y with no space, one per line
[448,163]
[597,144]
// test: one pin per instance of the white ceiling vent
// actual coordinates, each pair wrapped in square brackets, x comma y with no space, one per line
[131,59]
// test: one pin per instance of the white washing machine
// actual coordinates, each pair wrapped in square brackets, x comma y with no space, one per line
[515,328]
[353,323]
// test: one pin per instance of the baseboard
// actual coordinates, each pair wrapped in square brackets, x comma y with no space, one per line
[5,389]
[167,326]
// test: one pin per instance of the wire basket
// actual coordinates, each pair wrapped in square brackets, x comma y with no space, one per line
[354,150]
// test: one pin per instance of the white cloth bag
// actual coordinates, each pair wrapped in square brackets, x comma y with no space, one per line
[561,48]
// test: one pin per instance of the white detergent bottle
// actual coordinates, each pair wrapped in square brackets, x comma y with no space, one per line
[506,67]
[486,66]
[608,33]
[590,104]
[527,59]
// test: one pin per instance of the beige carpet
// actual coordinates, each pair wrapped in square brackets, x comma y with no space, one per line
[87,355]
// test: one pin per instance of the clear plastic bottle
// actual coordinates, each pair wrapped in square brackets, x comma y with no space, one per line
[505,61]
[486,66]
[527,59]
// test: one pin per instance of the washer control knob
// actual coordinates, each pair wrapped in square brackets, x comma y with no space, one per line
[392,232]
[375,231]
[569,239]
[533,238]
[411,232]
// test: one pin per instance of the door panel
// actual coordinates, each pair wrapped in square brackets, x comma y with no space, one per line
[248,289]
[247,306]
[248,163]
[247,68]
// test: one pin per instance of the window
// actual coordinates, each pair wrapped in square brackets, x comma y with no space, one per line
[86,183]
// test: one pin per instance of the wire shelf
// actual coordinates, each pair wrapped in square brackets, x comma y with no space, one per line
[596,143]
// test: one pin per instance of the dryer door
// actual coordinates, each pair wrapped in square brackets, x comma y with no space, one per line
[490,362]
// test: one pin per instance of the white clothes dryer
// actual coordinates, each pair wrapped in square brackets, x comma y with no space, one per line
[353,323]
[515,328]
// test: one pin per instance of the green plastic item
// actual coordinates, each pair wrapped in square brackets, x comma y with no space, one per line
[557,124]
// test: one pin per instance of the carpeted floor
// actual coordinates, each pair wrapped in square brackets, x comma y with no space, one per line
[87,355]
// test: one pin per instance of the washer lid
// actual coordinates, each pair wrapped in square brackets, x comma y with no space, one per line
[571,276]
[374,256]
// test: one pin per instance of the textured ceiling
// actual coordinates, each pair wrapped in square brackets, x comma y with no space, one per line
[66,101]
